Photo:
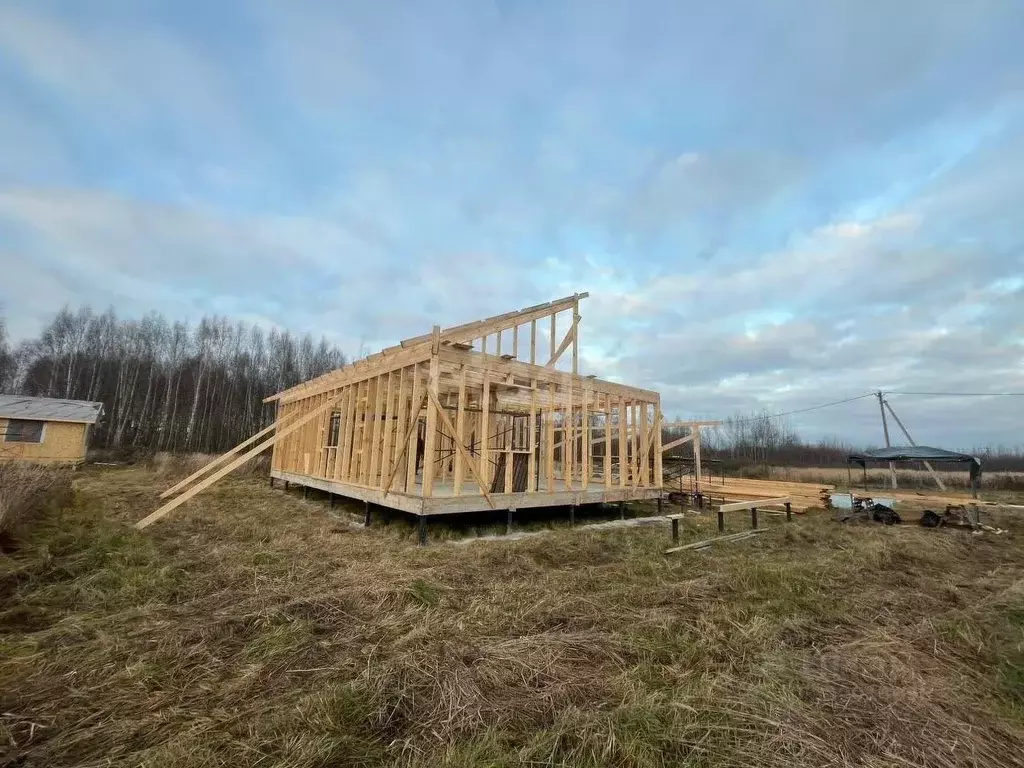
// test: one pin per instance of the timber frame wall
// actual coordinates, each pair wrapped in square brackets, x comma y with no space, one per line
[458,421]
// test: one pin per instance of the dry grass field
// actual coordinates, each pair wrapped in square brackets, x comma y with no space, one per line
[255,628]
[913,479]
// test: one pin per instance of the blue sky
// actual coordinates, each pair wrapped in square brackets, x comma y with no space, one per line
[771,204]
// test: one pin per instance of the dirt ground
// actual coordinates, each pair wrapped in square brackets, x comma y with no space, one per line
[252,627]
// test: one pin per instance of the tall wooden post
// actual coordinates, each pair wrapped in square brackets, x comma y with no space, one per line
[430,439]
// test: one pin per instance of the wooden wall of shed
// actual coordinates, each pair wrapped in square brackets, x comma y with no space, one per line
[63,443]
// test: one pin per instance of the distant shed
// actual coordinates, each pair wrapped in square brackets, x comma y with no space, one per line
[45,430]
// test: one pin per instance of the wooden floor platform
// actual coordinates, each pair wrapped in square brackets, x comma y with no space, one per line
[444,502]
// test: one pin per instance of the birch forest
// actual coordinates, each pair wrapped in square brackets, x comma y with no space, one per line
[165,386]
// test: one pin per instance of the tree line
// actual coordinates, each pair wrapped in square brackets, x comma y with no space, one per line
[165,386]
[175,386]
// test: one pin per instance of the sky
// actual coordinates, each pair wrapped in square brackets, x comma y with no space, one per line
[772,205]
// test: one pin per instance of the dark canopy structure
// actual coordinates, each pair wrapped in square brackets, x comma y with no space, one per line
[919,453]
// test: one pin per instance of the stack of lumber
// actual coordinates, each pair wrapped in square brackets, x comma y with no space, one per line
[804,495]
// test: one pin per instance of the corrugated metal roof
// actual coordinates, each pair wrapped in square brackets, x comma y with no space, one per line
[49,409]
[910,453]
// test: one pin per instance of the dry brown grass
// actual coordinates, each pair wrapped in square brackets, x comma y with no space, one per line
[252,628]
[24,489]
[175,466]
[878,477]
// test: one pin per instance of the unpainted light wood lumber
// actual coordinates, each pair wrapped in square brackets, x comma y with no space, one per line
[239,461]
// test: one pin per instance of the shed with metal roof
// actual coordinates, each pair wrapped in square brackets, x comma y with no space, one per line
[46,429]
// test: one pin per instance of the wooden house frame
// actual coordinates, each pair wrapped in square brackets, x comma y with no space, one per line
[465,419]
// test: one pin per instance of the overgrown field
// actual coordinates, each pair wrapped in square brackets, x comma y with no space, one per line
[879,477]
[253,628]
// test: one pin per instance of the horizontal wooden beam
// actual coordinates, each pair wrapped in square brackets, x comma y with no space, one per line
[755,503]
[523,370]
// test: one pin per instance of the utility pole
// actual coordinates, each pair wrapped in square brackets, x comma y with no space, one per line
[885,429]
[935,476]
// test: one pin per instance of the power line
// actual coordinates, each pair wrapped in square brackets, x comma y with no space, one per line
[802,410]
[958,394]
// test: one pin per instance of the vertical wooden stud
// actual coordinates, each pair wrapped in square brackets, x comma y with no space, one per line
[550,448]
[553,343]
[385,448]
[607,441]
[401,409]
[533,342]
[376,441]
[531,471]
[430,439]
[576,338]
[659,477]
[585,459]
[460,434]
[623,452]
[515,342]
[485,457]
[414,415]
[644,474]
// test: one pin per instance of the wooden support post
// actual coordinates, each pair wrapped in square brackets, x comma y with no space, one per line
[533,342]
[423,530]
[460,434]
[696,460]
[552,355]
[366,514]
[568,444]
[430,438]
[659,476]
[675,529]
[386,430]
[531,465]
[378,438]
[508,520]
[515,341]
[721,520]
[659,505]
[402,409]
[549,449]
[644,457]
[585,458]
[789,511]
[484,474]
[572,515]
[575,338]
[369,417]
[413,431]
[623,449]
[498,350]
[622,510]
[607,468]
[753,517]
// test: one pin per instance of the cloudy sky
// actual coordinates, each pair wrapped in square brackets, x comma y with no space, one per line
[772,204]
